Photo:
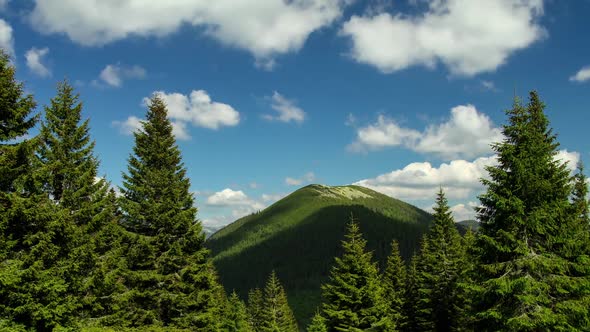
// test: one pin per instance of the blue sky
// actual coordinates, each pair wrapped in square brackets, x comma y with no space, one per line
[269,95]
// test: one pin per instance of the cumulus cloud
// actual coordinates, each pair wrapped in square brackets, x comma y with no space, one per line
[34,58]
[199,110]
[129,126]
[421,180]
[239,203]
[466,134]
[459,178]
[286,109]
[114,75]
[6,39]
[582,75]
[306,178]
[467,36]
[266,28]
[464,211]
[570,157]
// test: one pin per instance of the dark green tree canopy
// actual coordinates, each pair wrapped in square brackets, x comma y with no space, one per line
[353,297]
[526,234]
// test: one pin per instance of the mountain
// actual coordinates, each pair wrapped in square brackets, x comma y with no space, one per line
[300,235]
[464,225]
[209,230]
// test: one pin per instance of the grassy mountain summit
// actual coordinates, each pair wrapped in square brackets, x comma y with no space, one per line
[300,235]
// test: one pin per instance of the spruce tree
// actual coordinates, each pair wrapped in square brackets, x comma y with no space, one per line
[16,119]
[410,308]
[236,317]
[256,308]
[527,269]
[317,324]
[169,279]
[394,285]
[580,196]
[71,168]
[440,271]
[35,235]
[67,153]
[276,313]
[353,298]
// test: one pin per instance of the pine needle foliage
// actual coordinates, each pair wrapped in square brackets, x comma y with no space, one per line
[528,256]
[353,298]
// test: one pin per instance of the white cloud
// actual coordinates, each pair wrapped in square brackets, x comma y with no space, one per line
[582,75]
[286,109]
[228,197]
[198,109]
[571,157]
[459,178]
[467,36]
[114,75]
[464,211]
[265,28]
[129,126]
[34,58]
[6,39]
[467,134]
[306,178]
[239,203]
[420,181]
[385,133]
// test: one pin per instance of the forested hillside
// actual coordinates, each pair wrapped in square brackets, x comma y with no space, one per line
[299,235]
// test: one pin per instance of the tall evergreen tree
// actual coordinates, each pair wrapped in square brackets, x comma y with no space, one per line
[353,298]
[236,317]
[67,153]
[35,235]
[394,285]
[525,251]
[256,308]
[16,119]
[170,279]
[440,272]
[580,196]
[71,169]
[410,309]
[276,313]
[317,324]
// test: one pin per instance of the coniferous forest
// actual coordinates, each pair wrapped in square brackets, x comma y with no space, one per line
[78,255]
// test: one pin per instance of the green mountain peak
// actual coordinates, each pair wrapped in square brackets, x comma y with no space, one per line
[299,236]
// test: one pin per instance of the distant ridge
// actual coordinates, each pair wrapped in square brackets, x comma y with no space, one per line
[300,235]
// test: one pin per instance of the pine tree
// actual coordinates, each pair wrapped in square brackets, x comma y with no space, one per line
[256,308]
[70,167]
[236,315]
[353,298]
[575,293]
[580,196]
[35,235]
[525,252]
[317,324]
[394,285]
[440,271]
[410,308]
[15,122]
[170,279]
[276,313]
[67,155]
